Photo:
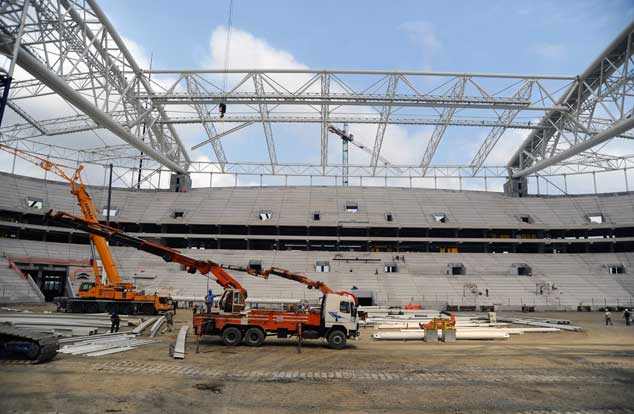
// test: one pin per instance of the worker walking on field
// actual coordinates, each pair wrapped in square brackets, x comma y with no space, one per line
[627,316]
[115,320]
[169,316]
[608,317]
[210,300]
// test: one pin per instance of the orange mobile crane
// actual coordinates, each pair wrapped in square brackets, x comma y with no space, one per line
[94,297]
[335,319]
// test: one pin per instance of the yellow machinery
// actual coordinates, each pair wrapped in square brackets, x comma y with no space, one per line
[116,295]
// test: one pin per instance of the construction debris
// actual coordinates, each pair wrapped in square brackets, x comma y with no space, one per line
[157,326]
[546,323]
[143,325]
[105,345]
[61,324]
[406,324]
[179,348]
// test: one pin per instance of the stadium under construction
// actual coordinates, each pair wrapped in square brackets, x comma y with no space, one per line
[466,287]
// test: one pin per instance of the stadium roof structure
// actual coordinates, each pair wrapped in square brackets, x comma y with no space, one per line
[68,50]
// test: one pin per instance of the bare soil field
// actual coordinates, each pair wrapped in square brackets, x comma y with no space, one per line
[566,372]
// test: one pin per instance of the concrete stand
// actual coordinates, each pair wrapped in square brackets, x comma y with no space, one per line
[449,335]
[431,335]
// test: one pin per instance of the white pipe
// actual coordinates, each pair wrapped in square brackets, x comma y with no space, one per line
[421,334]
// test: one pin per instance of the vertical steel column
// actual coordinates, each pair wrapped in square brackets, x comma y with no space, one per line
[109,197]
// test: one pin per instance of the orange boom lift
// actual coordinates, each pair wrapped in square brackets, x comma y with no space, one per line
[96,297]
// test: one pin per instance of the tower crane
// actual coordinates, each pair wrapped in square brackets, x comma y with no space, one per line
[346,138]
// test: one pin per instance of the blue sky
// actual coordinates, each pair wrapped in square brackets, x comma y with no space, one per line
[487,36]
[534,37]
[530,37]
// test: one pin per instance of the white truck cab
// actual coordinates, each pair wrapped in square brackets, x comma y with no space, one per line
[340,313]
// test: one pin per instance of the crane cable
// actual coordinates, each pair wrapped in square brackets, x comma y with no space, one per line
[228,45]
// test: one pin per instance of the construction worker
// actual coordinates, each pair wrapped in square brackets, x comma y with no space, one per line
[210,300]
[169,316]
[627,316]
[608,317]
[114,320]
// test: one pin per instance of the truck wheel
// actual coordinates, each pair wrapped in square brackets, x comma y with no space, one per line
[254,337]
[92,307]
[147,309]
[231,336]
[336,340]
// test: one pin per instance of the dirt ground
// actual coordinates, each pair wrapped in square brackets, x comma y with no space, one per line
[567,372]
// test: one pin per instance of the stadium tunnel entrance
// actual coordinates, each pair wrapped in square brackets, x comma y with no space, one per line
[52,279]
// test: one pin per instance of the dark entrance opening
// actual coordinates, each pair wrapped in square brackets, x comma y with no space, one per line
[50,278]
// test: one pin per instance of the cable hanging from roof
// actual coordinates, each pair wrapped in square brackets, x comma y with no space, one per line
[222,107]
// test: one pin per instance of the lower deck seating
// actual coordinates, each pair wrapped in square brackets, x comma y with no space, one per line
[557,280]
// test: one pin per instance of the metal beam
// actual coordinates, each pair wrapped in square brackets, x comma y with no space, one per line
[217,136]
[445,118]
[385,116]
[593,78]
[36,69]
[616,129]
[128,56]
[264,114]
[209,127]
[505,118]
[325,108]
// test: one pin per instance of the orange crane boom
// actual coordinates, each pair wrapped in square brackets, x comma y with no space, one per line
[168,254]
[286,274]
[78,189]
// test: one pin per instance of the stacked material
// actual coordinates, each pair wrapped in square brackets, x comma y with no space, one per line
[63,324]
[99,345]
[420,334]
[404,324]
[561,324]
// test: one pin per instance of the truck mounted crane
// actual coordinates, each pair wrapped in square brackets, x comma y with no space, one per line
[97,296]
[335,319]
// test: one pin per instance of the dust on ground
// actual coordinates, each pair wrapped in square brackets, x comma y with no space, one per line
[562,372]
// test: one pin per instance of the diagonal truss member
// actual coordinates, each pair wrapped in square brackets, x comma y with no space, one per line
[204,112]
[505,118]
[264,115]
[384,118]
[446,116]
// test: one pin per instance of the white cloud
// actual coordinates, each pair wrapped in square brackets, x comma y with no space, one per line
[247,52]
[549,51]
[506,146]
[423,34]
[251,52]
[138,52]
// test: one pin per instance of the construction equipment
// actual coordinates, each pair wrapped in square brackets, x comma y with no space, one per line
[443,324]
[95,297]
[346,138]
[335,319]
[24,344]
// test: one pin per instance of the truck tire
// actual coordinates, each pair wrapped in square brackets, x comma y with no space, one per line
[91,307]
[336,339]
[231,336]
[254,337]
